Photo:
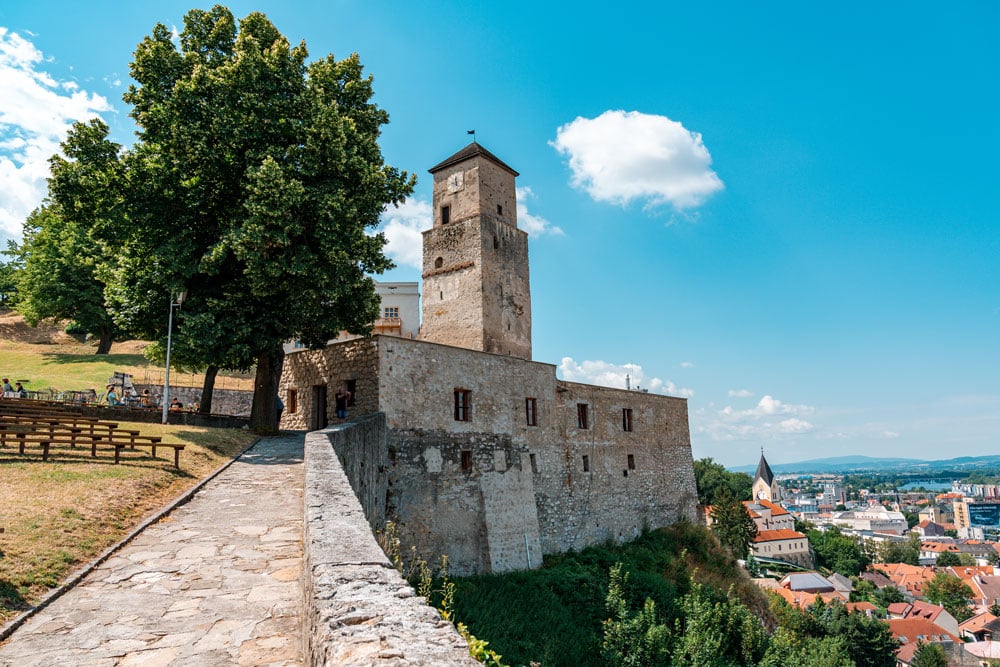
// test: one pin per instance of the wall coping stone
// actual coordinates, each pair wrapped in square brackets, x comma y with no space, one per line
[358,608]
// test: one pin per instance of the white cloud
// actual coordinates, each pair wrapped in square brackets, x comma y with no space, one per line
[605,374]
[740,393]
[534,225]
[687,364]
[36,112]
[767,420]
[622,156]
[402,226]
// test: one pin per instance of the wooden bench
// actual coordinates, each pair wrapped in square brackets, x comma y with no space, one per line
[47,435]
[77,426]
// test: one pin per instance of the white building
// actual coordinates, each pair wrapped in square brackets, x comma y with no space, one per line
[399,314]
[875,519]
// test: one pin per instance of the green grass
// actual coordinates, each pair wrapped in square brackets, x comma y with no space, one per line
[66,371]
[553,615]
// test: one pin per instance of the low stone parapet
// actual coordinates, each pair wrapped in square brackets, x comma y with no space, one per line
[358,609]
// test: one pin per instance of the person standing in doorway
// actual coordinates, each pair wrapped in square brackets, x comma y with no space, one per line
[342,397]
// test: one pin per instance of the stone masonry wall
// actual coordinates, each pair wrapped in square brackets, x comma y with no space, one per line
[363,450]
[234,402]
[506,288]
[358,609]
[522,488]
[643,478]
[453,291]
[333,366]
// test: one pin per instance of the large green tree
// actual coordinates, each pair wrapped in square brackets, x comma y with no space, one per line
[65,262]
[951,593]
[837,552]
[254,182]
[711,478]
[732,523]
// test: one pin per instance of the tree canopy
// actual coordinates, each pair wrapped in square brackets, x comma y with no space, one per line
[837,552]
[951,593]
[711,478]
[732,524]
[65,266]
[253,185]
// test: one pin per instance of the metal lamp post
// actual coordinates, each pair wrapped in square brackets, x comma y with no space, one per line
[170,329]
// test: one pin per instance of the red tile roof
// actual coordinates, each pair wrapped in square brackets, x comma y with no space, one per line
[908,630]
[775,535]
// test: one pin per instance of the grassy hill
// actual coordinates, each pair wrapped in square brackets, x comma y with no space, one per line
[553,615]
[47,358]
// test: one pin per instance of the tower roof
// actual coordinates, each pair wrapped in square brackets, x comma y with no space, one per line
[470,151]
[764,471]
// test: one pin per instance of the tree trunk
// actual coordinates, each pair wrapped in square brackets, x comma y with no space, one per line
[264,413]
[205,407]
[106,338]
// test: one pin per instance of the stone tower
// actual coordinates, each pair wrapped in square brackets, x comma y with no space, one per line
[476,291]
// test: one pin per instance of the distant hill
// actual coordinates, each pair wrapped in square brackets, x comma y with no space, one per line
[858,464]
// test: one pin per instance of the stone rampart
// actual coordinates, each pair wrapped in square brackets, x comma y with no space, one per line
[358,609]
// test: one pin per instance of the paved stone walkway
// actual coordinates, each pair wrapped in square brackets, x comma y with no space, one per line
[216,582]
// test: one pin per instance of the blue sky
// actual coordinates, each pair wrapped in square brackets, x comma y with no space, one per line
[785,212]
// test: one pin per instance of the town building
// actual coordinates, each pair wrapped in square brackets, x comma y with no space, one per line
[876,519]
[494,461]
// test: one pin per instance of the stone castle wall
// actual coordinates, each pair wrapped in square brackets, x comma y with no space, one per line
[494,492]
[358,610]
[630,480]
[525,484]
[307,371]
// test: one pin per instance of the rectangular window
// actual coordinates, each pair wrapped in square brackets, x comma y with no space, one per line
[531,411]
[626,419]
[534,462]
[391,312]
[466,459]
[582,416]
[586,463]
[293,401]
[462,404]
[499,209]
[631,462]
[445,215]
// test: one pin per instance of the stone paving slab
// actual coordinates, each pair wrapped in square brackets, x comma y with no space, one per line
[215,582]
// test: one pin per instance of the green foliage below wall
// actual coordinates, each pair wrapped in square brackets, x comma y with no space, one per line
[554,615]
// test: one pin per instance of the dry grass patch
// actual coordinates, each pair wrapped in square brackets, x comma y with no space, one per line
[59,515]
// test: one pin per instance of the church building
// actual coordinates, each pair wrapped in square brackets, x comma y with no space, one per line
[494,460]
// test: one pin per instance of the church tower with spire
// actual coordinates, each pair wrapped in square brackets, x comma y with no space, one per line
[476,291]
[765,486]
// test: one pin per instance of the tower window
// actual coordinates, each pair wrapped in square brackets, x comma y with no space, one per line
[531,411]
[462,404]
[534,462]
[499,209]
[631,461]
[496,243]
[439,262]
[293,401]
[582,416]
[626,419]
[466,459]
[445,214]
[586,463]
